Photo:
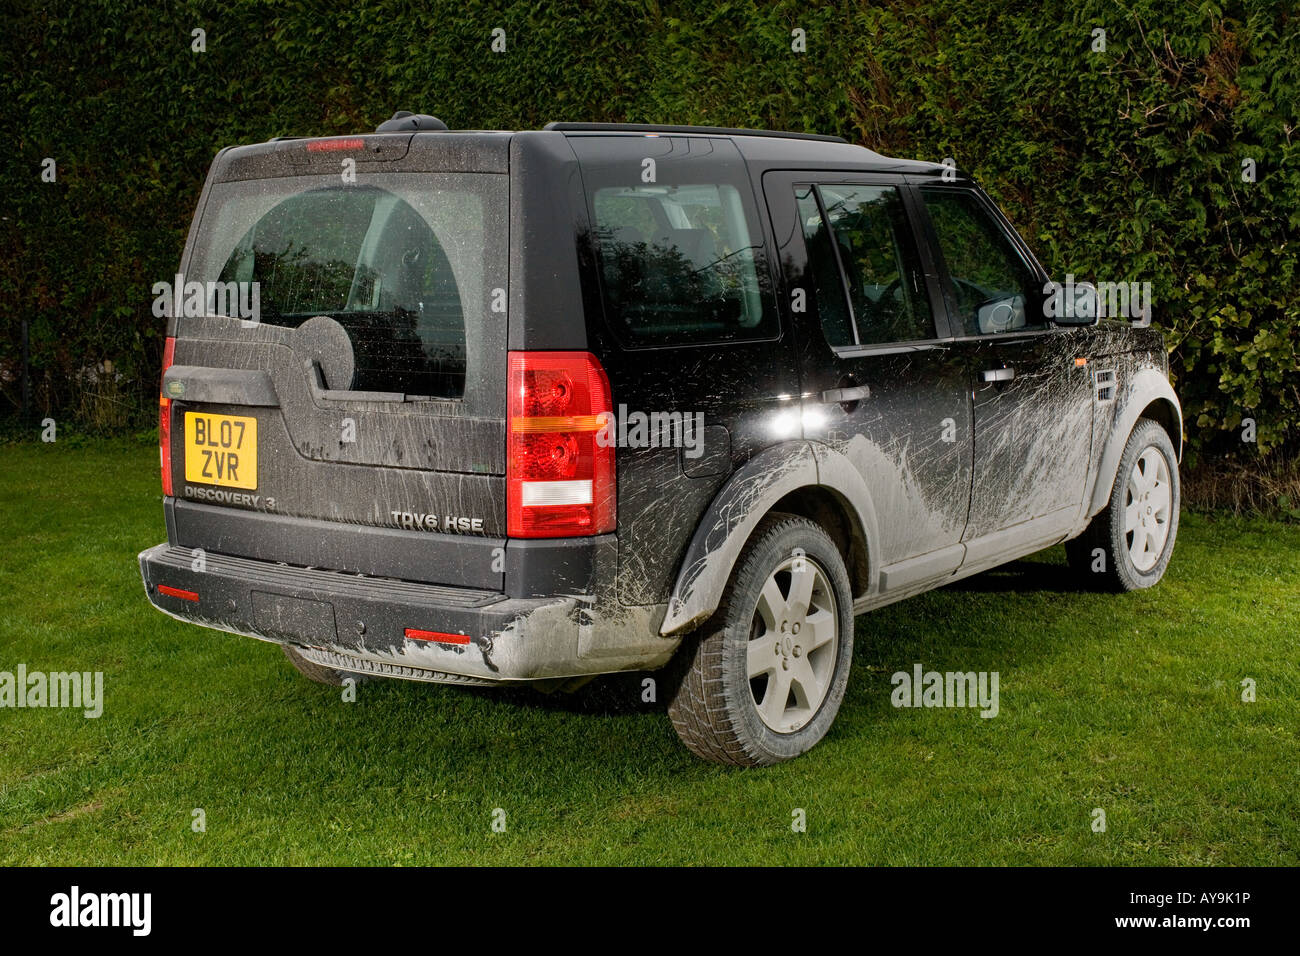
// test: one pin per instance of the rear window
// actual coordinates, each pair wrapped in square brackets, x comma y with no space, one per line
[680,264]
[406,263]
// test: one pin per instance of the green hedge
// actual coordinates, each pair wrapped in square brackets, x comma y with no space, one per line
[1124,164]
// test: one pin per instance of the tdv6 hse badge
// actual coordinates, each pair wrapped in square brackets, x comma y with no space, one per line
[417,521]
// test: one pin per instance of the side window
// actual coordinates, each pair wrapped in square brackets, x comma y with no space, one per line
[864,265]
[681,264]
[825,271]
[991,280]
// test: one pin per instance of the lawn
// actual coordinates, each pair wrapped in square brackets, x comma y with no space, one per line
[1131,704]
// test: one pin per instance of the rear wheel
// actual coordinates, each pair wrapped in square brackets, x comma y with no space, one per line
[1127,545]
[764,679]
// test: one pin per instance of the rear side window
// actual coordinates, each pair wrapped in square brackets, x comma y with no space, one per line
[865,270]
[405,265]
[680,264]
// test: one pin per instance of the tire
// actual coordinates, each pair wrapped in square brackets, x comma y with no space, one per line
[318,672]
[715,708]
[1148,469]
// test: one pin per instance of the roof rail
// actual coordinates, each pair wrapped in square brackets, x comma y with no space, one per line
[713,130]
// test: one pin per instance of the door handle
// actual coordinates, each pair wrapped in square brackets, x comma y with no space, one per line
[999,374]
[842,396]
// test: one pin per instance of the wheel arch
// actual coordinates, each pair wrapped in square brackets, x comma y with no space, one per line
[829,509]
[802,477]
[1149,396]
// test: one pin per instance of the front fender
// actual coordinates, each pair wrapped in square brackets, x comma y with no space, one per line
[1147,386]
[747,496]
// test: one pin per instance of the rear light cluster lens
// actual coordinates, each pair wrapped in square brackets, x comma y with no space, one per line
[165,422]
[559,478]
[549,392]
[549,456]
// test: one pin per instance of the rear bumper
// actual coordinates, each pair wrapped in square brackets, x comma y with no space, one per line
[357,623]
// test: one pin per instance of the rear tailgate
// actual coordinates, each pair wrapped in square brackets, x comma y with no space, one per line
[338,379]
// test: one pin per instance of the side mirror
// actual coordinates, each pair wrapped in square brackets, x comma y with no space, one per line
[1072,304]
[1001,315]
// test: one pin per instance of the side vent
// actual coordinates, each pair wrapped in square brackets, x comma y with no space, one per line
[1104,382]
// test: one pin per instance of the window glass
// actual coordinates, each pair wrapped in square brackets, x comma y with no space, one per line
[681,264]
[867,253]
[991,280]
[401,266]
[828,284]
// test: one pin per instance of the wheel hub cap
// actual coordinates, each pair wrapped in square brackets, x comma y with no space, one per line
[1148,500]
[794,642]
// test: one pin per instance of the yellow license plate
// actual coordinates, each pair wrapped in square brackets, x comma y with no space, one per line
[221,450]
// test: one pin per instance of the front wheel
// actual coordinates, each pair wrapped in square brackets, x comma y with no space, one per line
[765,678]
[1128,544]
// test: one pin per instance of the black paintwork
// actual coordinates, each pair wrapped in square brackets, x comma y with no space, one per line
[737,386]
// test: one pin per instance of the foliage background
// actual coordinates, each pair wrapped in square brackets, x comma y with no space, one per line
[1123,164]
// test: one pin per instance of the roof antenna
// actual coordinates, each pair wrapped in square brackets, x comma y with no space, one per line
[404,121]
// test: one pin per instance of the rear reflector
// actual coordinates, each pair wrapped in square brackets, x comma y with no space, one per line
[559,468]
[165,425]
[335,145]
[437,637]
[178,592]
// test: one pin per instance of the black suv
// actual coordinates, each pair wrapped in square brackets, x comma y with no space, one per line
[536,406]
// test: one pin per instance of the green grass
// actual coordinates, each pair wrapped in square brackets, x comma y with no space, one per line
[1129,703]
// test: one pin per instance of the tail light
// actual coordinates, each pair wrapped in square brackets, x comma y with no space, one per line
[559,476]
[165,422]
